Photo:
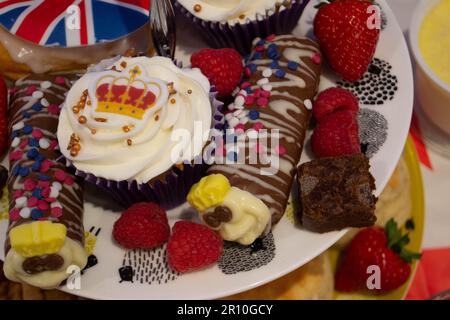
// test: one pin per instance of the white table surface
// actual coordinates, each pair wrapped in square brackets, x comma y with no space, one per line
[436,181]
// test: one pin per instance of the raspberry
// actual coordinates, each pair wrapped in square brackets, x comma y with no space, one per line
[332,100]
[336,135]
[192,246]
[223,67]
[142,226]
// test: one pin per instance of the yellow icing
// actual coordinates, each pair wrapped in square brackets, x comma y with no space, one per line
[38,238]
[209,192]
[89,242]
[434,40]
[4,205]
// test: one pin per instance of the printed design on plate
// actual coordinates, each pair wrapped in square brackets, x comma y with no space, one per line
[383,16]
[373,128]
[238,258]
[146,267]
[378,85]
[69,23]
[90,240]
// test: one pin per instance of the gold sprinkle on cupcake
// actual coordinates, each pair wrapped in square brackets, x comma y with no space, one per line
[93,130]
[76,109]
[129,142]
[82,119]
[189,91]
[123,64]
[197,8]
[172,101]
[242,16]
[100,119]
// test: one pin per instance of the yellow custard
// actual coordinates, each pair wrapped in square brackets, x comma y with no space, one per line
[434,40]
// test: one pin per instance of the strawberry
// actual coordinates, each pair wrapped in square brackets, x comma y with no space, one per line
[336,135]
[193,246]
[223,67]
[143,225]
[343,28]
[332,100]
[384,248]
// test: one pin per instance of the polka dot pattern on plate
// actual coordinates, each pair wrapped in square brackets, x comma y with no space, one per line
[373,128]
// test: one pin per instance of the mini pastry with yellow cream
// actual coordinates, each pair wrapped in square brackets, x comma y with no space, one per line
[236,214]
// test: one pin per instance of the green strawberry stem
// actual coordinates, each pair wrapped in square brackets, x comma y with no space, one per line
[397,242]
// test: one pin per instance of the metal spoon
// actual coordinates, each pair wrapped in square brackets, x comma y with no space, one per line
[162,26]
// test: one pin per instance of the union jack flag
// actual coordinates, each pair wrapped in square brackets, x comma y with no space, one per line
[44,21]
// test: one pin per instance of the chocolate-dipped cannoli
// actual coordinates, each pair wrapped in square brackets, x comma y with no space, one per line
[271,111]
[45,234]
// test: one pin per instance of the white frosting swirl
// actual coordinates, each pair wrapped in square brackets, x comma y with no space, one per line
[107,153]
[230,11]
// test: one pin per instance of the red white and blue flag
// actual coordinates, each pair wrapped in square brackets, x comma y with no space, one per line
[45,22]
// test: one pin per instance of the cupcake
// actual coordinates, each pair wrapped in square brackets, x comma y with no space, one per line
[139,129]
[235,23]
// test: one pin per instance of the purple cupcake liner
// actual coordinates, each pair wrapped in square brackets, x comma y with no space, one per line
[168,193]
[241,35]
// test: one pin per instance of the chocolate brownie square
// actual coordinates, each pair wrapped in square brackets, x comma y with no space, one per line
[336,193]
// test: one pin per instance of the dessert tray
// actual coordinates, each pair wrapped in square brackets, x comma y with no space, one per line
[116,273]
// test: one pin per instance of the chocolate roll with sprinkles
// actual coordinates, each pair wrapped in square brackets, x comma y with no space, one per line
[45,234]
[242,199]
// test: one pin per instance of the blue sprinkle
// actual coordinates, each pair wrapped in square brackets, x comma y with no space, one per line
[233,156]
[261,42]
[40,157]
[33,142]
[14,134]
[26,115]
[280,73]
[37,193]
[274,65]
[27,129]
[36,214]
[292,65]
[249,90]
[273,54]
[36,166]
[253,114]
[37,107]
[24,171]
[44,177]
[32,153]
[252,67]
[15,170]
[257,55]
[272,47]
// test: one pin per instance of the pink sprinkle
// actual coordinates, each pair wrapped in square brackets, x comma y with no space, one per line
[53,144]
[46,165]
[316,58]
[259,148]
[30,89]
[60,80]
[69,181]
[265,94]
[23,144]
[46,192]
[17,193]
[50,200]
[248,72]
[260,48]
[13,90]
[14,214]
[29,184]
[53,108]
[262,102]
[258,92]
[249,100]
[60,175]
[280,150]
[239,128]
[270,38]
[37,134]
[44,184]
[56,212]
[245,85]
[32,202]
[42,205]
[258,126]
[15,155]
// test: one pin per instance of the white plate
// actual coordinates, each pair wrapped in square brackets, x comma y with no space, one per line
[294,246]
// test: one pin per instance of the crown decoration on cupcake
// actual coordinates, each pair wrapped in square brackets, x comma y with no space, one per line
[128,93]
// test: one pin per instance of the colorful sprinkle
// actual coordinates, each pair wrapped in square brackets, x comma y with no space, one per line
[53,144]
[37,193]
[43,177]
[37,107]
[32,202]
[25,213]
[26,115]
[270,38]
[60,175]
[53,108]
[316,58]
[44,143]
[253,114]
[267,72]
[27,129]
[280,150]
[69,181]
[292,65]
[23,144]
[36,167]
[262,102]
[33,142]
[308,104]
[43,205]
[21,202]
[245,85]
[60,80]
[17,193]
[29,184]
[15,155]
[46,192]
[36,214]
[44,102]
[37,94]
[262,81]
[30,89]
[44,184]
[18,126]
[56,212]
[14,214]
[258,126]
[249,100]
[280,73]
[274,65]
[23,172]
[267,87]
[46,84]
[58,186]
[50,200]
[37,134]
[32,153]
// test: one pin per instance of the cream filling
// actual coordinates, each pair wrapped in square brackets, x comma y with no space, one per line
[71,252]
